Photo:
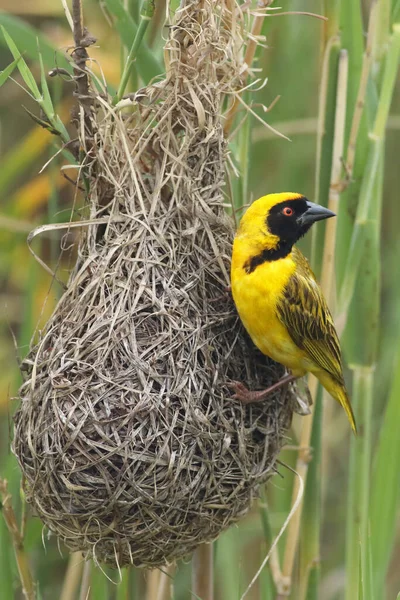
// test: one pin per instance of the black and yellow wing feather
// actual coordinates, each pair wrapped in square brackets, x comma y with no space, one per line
[304,312]
[306,316]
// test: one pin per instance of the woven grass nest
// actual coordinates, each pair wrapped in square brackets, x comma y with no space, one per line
[131,446]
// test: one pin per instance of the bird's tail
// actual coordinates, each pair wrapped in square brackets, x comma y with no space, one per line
[338,391]
[342,397]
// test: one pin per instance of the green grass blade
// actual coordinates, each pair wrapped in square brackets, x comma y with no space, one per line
[385,489]
[310,567]
[26,38]
[363,351]
[395,11]
[47,103]
[352,38]
[100,586]
[358,495]
[22,66]
[228,561]
[267,587]
[366,586]
[43,97]
[147,64]
[4,75]
[146,15]
[366,196]
[123,586]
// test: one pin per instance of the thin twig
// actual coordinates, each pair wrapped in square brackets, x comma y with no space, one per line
[326,284]
[28,586]
[82,40]
[297,12]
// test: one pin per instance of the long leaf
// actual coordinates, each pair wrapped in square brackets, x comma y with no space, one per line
[22,66]
[26,38]
[4,75]
[147,64]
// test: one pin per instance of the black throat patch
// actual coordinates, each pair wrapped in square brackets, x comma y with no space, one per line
[282,250]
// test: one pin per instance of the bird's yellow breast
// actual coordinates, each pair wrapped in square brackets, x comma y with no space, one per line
[256,296]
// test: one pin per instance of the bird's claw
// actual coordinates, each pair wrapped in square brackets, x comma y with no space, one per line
[243,394]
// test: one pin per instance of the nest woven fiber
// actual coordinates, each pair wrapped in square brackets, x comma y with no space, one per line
[131,447]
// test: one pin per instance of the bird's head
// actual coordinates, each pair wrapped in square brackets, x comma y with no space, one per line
[275,222]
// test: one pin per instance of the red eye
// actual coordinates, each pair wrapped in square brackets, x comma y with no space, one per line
[287,211]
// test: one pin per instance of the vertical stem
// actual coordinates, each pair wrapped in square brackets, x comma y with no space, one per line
[165,584]
[311,517]
[327,277]
[25,575]
[152,584]
[367,198]
[123,586]
[325,133]
[328,270]
[203,572]
[362,90]
[303,459]
[359,476]
[72,576]
[274,563]
[146,15]
[85,583]
[80,57]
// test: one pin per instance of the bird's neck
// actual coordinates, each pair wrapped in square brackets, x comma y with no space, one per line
[249,253]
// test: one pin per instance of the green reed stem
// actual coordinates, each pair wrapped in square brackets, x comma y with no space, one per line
[146,15]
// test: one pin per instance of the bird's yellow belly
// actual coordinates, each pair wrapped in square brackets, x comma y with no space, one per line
[256,304]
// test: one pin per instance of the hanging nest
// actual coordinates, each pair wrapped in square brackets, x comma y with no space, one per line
[131,446]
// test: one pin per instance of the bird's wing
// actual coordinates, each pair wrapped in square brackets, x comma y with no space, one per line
[305,313]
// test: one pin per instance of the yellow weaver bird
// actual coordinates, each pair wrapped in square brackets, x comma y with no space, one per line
[278,298]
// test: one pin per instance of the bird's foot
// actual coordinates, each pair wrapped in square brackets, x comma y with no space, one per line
[242,393]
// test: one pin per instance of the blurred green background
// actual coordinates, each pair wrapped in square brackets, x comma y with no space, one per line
[292,62]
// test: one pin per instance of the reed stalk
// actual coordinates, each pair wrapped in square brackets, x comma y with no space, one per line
[385,491]
[362,281]
[24,569]
[304,456]
[146,14]
[309,548]
[203,572]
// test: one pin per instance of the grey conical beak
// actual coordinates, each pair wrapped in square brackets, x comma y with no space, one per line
[314,212]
